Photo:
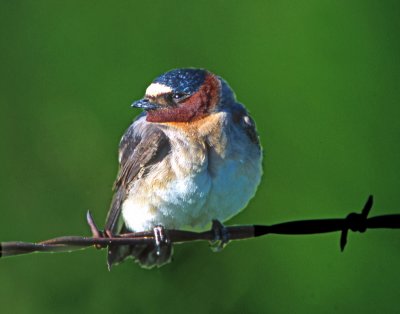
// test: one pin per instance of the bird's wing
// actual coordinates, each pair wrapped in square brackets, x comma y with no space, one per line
[141,147]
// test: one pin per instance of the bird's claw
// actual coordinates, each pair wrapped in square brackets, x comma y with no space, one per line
[161,240]
[221,236]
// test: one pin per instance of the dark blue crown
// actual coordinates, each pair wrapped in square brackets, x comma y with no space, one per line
[186,81]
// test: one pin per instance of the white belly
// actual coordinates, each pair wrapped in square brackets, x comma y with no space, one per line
[193,201]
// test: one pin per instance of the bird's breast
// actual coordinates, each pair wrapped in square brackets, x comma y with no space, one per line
[206,176]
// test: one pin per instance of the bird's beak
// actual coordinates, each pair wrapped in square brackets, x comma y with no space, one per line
[145,104]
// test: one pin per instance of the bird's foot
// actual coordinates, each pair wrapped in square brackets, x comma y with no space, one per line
[154,254]
[221,236]
[161,240]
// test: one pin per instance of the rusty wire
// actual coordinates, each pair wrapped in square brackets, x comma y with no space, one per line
[354,222]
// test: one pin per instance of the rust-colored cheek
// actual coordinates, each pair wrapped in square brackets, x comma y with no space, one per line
[196,107]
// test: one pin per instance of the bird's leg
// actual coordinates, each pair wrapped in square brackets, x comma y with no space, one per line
[161,240]
[221,236]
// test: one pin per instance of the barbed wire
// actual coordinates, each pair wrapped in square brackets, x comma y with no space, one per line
[218,233]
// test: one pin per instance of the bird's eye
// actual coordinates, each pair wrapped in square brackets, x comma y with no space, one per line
[179,96]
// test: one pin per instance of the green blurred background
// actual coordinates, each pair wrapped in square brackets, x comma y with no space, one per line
[321,79]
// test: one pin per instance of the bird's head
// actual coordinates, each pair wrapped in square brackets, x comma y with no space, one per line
[184,95]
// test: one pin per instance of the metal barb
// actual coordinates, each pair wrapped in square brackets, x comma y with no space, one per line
[96,233]
[219,234]
[356,222]
[368,206]
[93,228]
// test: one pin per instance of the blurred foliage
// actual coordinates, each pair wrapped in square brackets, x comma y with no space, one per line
[321,79]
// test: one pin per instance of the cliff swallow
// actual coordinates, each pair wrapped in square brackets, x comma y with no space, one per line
[192,156]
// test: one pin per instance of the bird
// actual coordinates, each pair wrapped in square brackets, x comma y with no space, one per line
[192,156]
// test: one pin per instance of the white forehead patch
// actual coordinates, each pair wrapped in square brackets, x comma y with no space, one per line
[157,89]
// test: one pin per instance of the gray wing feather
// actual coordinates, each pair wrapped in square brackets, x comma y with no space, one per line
[137,153]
